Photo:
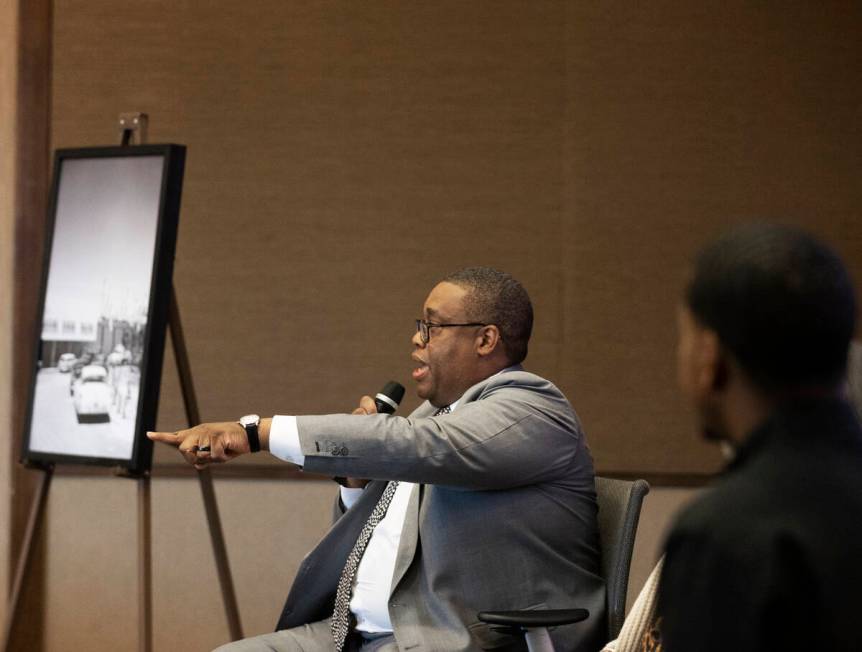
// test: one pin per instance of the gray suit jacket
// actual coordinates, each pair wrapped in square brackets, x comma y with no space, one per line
[504,517]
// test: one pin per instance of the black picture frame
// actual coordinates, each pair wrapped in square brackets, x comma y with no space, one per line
[113,215]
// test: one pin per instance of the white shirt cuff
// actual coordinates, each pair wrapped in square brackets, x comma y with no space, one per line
[284,440]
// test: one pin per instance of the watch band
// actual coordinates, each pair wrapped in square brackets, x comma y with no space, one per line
[250,423]
[253,438]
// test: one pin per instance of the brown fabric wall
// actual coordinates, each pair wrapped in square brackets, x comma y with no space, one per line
[342,156]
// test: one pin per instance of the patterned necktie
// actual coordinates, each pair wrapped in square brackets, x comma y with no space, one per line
[340,624]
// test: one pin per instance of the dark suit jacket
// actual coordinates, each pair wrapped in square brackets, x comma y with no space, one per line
[504,517]
[771,559]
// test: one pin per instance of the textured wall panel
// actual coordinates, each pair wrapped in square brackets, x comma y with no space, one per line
[343,156]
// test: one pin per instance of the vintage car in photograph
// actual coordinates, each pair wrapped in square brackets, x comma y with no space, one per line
[65,362]
[92,395]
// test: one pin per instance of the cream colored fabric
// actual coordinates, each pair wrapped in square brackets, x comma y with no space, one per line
[640,617]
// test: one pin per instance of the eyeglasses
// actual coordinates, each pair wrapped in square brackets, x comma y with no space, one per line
[424,328]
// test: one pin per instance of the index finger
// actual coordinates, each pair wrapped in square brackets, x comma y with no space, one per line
[171,438]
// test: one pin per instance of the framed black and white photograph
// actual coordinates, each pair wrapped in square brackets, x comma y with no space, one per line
[112,229]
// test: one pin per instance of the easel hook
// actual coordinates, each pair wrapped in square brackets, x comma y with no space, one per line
[133,123]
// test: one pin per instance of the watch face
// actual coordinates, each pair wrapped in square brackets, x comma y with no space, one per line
[249,420]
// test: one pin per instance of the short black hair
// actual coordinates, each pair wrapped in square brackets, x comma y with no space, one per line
[780,301]
[495,297]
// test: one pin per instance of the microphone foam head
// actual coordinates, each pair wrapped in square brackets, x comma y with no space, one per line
[393,390]
[389,397]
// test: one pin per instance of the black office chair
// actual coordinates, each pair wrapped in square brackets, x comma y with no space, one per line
[620,504]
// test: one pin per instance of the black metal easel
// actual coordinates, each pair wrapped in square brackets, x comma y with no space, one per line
[131,124]
[205,477]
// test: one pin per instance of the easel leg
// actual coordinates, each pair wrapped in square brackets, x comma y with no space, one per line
[145,566]
[213,519]
[220,553]
[34,526]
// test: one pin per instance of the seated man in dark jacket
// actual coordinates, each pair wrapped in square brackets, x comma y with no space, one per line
[771,558]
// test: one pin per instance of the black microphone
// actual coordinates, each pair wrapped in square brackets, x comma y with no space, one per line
[387,401]
[389,397]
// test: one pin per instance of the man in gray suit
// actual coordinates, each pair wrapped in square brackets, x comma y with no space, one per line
[495,507]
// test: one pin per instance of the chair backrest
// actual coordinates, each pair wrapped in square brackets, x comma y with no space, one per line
[620,504]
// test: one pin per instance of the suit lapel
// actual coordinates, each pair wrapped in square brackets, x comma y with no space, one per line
[410,529]
[409,536]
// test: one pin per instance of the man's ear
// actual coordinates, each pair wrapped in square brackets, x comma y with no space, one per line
[713,371]
[488,340]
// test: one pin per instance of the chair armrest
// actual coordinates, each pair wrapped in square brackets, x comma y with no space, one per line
[529,618]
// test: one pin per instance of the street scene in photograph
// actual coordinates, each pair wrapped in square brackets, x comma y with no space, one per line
[87,409]
[95,316]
